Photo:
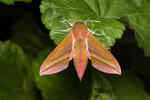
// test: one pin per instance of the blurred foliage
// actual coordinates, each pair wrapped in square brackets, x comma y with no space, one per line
[101,88]
[11,2]
[28,35]
[25,44]
[16,81]
[128,87]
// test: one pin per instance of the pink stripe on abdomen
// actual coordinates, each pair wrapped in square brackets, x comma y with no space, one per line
[80,58]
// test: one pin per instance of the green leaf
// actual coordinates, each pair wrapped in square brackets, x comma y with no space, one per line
[141,24]
[128,87]
[55,11]
[28,35]
[11,2]
[94,5]
[119,8]
[138,14]
[65,85]
[15,83]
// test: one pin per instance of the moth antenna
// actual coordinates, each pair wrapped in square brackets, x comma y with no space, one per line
[96,21]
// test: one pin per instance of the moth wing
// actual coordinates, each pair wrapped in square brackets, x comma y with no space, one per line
[59,58]
[101,58]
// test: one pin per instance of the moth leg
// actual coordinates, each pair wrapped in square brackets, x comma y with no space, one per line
[86,21]
[62,31]
[98,34]
[67,21]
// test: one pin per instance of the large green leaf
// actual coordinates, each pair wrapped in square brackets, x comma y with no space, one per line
[54,11]
[66,85]
[128,87]
[138,14]
[10,2]
[15,79]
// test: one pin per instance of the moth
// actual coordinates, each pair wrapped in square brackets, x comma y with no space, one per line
[80,45]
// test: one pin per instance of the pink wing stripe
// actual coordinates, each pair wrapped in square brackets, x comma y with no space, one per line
[54,70]
[106,69]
